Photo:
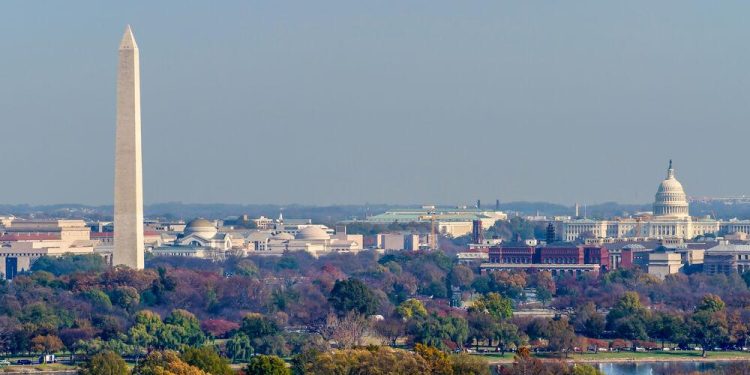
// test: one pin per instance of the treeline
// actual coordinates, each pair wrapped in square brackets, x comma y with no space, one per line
[297,305]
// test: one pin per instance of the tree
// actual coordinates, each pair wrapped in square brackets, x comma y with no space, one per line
[347,331]
[588,321]
[711,303]
[69,264]
[560,336]
[165,363]
[218,328]
[267,365]
[126,297]
[465,364]
[206,359]
[239,348]
[709,329]
[544,285]
[8,328]
[628,317]
[410,308]
[668,327]
[46,344]
[187,329]
[391,329]
[461,276]
[508,284]
[98,299]
[525,364]
[437,360]
[257,325]
[105,363]
[482,326]
[495,305]
[506,335]
[374,360]
[146,330]
[353,295]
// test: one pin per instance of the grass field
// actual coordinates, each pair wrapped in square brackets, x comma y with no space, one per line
[634,356]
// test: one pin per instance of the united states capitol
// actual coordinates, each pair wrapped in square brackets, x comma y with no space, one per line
[670,221]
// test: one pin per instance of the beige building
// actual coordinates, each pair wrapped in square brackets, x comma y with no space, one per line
[24,241]
[670,219]
[313,239]
[663,263]
[727,258]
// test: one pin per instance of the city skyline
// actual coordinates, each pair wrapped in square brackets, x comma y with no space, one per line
[505,122]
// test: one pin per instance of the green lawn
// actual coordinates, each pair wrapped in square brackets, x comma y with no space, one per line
[626,355]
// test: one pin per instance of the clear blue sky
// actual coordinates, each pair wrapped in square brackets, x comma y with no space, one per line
[387,101]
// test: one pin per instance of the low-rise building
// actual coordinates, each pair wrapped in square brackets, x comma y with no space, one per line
[727,258]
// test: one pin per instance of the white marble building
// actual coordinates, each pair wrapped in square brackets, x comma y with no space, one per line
[670,219]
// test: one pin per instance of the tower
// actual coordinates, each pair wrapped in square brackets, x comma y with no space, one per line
[477,234]
[550,238]
[128,166]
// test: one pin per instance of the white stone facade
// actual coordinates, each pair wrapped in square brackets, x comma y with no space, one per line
[128,241]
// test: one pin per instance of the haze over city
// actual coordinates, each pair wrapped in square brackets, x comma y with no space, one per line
[336,102]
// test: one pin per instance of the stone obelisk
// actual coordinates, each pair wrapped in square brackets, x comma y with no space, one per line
[128,169]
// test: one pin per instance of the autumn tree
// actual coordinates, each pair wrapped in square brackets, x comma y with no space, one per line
[375,360]
[206,359]
[267,365]
[466,364]
[347,331]
[410,308]
[437,360]
[708,324]
[105,363]
[46,344]
[561,336]
[391,329]
[494,305]
[165,363]
[461,276]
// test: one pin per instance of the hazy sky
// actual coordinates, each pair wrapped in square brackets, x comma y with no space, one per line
[323,102]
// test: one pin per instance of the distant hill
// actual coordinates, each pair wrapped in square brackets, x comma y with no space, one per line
[334,213]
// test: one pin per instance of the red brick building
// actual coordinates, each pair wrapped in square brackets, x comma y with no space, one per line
[561,255]
[512,253]
[596,255]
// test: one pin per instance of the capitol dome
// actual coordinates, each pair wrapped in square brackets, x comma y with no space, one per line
[201,227]
[671,200]
[312,233]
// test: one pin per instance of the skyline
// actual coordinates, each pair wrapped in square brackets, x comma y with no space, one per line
[398,94]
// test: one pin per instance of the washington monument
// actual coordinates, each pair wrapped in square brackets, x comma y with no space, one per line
[128,166]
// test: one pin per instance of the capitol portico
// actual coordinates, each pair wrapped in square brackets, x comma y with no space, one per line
[670,219]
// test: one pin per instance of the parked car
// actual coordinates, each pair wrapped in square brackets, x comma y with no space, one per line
[24,362]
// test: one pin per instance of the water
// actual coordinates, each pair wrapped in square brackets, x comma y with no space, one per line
[657,368]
